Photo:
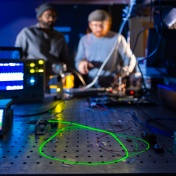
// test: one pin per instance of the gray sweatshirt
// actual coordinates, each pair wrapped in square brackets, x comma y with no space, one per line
[96,50]
[35,43]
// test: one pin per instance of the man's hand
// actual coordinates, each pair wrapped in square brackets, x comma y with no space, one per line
[84,66]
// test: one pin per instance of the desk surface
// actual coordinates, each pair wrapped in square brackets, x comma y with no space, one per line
[82,139]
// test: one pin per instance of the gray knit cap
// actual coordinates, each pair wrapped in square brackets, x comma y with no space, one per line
[43,7]
[98,15]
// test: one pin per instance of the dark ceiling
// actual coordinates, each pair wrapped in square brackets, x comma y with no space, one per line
[143,2]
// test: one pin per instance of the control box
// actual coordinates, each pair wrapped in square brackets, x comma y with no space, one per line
[22,80]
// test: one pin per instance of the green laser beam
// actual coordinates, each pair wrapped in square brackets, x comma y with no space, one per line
[76,126]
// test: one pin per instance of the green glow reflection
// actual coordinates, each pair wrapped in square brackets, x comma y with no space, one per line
[76,126]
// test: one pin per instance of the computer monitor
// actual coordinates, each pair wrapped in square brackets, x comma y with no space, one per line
[11,75]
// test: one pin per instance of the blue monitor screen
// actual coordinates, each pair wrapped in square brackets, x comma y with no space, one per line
[11,76]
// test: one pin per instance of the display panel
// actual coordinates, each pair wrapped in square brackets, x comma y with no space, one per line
[1,118]
[11,75]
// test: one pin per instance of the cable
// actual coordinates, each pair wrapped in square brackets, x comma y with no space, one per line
[143,29]
[153,52]
[139,33]
[36,114]
[132,3]
[78,75]
[168,133]
[151,119]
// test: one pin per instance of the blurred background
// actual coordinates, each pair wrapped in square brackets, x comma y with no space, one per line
[149,22]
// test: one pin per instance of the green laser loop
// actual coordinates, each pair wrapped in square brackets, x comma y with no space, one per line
[75,126]
[134,153]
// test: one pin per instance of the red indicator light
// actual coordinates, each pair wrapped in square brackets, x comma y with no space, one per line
[131,92]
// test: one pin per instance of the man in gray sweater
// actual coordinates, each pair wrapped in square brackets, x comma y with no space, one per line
[103,45]
[41,41]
